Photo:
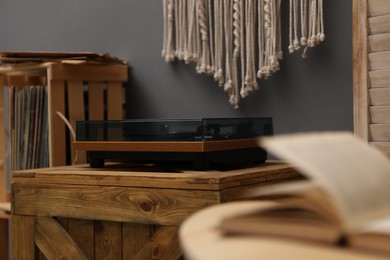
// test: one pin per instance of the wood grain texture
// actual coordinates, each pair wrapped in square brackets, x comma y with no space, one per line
[108,240]
[379,60]
[379,78]
[378,7]
[360,68]
[208,146]
[134,237]
[89,72]
[153,176]
[23,244]
[379,42]
[380,114]
[379,24]
[4,245]
[165,207]
[54,242]
[57,142]
[380,132]
[82,232]
[380,96]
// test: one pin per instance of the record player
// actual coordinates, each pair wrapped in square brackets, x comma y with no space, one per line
[202,142]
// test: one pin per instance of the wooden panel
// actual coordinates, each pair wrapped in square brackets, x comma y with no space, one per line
[379,42]
[83,234]
[108,240]
[4,238]
[379,60]
[166,207]
[380,132]
[26,80]
[57,145]
[3,177]
[380,114]
[380,96]
[96,100]
[76,113]
[379,24]
[134,237]
[360,68]
[23,233]
[378,7]
[383,146]
[114,101]
[54,242]
[88,72]
[163,244]
[379,78]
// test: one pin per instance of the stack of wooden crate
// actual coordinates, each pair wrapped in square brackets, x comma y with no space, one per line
[80,86]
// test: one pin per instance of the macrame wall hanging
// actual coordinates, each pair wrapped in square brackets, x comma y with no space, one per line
[238,41]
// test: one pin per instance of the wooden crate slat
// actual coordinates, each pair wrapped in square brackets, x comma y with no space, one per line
[114,101]
[166,242]
[4,238]
[378,7]
[360,68]
[379,60]
[379,78]
[380,114]
[380,96]
[96,100]
[26,226]
[108,237]
[3,177]
[379,24]
[134,237]
[54,242]
[383,146]
[89,72]
[82,232]
[380,132]
[379,42]
[76,113]
[158,205]
[56,102]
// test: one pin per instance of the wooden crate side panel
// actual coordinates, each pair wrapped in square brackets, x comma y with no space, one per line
[380,132]
[89,72]
[379,78]
[134,237]
[158,206]
[23,235]
[57,142]
[360,69]
[96,100]
[54,242]
[115,101]
[83,233]
[379,42]
[4,238]
[108,240]
[76,110]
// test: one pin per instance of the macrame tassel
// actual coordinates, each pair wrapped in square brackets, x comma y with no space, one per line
[168,49]
[220,36]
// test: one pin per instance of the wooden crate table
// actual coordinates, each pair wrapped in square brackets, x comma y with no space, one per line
[120,211]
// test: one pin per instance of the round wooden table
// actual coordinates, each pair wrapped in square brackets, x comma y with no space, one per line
[201,240]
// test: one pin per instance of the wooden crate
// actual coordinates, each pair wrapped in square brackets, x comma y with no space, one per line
[77,90]
[67,86]
[121,211]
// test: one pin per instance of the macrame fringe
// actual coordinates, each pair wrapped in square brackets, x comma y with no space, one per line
[224,37]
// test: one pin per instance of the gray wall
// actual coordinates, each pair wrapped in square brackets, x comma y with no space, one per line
[306,95]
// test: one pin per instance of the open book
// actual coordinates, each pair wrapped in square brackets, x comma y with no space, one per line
[345,199]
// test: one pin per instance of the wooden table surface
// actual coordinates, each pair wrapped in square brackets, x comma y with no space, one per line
[121,211]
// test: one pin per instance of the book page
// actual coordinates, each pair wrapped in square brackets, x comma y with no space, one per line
[355,175]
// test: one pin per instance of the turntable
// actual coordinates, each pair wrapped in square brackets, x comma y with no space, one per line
[203,142]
